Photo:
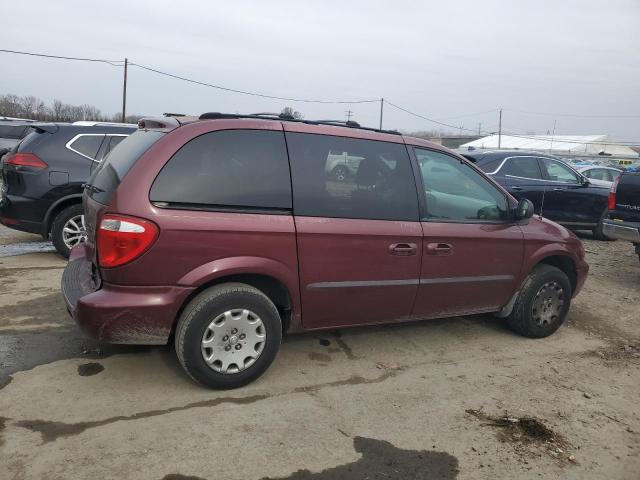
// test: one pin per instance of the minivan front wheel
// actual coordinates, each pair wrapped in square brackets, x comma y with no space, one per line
[68,229]
[228,335]
[542,304]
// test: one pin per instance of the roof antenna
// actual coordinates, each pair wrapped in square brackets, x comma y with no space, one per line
[544,190]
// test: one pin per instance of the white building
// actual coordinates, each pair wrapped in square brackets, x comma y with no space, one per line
[563,145]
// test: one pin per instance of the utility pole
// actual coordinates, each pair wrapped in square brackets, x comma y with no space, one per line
[348,113]
[124,91]
[500,129]
[479,129]
[381,108]
[552,135]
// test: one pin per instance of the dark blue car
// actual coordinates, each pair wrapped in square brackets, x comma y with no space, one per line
[560,192]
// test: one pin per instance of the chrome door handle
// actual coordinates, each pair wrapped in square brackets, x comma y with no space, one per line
[442,249]
[558,189]
[403,249]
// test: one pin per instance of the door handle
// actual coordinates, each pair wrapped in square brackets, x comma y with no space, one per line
[403,249]
[516,189]
[441,249]
[558,189]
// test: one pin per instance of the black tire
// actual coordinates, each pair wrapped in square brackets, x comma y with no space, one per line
[522,318]
[598,232]
[201,311]
[58,224]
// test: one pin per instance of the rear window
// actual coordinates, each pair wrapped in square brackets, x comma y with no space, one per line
[489,166]
[228,169]
[115,166]
[13,132]
[86,145]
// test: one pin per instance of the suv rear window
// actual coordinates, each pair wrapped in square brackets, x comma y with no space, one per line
[115,166]
[227,169]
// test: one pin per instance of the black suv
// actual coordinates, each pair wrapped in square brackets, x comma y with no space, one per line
[558,191]
[623,220]
[42,177]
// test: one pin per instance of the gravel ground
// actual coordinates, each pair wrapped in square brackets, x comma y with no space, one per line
[455,398]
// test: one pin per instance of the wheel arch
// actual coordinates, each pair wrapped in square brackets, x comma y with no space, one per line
[562,261]
[56,208]
[277,287]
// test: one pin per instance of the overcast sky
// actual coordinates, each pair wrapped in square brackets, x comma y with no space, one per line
[446,60]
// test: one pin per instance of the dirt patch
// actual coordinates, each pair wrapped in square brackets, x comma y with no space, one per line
[527,435]
[320,357]
[89,369]
[45,311]
[382,460]
[618,353]
[3,422]
[179,476]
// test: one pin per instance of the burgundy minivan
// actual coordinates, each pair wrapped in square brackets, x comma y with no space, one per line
[225,232]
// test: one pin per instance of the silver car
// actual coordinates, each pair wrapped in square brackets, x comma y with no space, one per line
[600,175]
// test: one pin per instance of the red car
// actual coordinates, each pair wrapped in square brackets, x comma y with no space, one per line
[225,232]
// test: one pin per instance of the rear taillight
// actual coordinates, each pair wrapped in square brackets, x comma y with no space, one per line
[122,239]
[612,194]
[25,160]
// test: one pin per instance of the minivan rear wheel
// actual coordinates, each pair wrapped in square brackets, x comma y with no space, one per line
[228,335]
[68,229]
[542,304]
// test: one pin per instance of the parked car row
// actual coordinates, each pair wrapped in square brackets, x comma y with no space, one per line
[41,178]
[224,232]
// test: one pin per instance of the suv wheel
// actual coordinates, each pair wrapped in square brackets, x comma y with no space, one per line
[542,304]
[228,335]
[68,229]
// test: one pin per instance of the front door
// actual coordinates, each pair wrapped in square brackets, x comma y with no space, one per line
[359,237]
[567,199]
[472,254]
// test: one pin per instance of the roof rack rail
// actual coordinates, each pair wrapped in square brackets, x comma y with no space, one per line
[289,118]
[346,123]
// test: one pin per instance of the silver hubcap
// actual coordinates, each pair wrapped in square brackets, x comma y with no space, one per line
[233,341]
[548,303]
[74,231]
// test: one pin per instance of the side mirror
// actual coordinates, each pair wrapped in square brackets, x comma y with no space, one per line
[584,181]
[524,209]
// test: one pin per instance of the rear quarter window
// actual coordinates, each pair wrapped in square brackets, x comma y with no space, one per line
[227,169]
[117,164]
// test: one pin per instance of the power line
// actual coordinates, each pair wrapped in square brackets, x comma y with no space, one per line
[510,134]
[115,63]
[469,114]
[576,115]
[254,94]
[120,63]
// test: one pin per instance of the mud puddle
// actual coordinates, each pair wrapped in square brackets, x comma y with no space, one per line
[527,435]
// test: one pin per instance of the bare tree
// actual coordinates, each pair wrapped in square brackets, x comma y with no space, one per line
[290,112]
[34,108]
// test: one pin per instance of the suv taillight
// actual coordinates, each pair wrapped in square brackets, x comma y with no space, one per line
[122,239]
[25,160]
[612,194]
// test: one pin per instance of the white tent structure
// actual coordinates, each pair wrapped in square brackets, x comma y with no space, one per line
[577,145]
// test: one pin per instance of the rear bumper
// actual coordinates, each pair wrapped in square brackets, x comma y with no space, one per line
[120,314]
[629,231]
[13,217]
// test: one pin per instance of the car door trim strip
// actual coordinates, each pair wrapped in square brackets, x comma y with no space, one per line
[411,281]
